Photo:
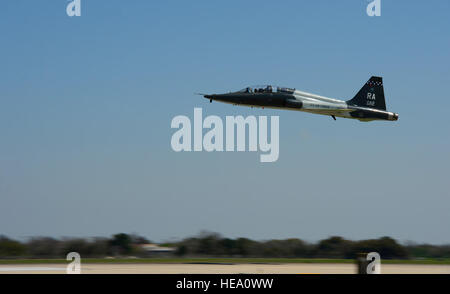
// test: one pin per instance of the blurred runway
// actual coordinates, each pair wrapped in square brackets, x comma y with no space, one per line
[298,268]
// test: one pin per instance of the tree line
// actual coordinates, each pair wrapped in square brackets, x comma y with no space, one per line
[214,245]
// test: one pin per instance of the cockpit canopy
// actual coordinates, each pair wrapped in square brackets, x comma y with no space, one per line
[266,89]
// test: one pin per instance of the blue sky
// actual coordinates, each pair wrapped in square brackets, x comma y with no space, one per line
[86,106]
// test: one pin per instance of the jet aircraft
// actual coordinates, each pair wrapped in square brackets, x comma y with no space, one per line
[367,105]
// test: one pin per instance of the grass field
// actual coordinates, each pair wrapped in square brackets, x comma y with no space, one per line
[218,261]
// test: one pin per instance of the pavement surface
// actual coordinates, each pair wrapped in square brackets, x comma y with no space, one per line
[297,268]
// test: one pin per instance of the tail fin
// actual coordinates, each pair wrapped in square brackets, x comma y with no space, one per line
[371,95]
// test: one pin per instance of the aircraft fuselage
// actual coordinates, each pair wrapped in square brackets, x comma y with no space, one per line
[291,99]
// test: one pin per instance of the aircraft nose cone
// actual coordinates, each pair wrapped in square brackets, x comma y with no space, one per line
[210,97]
[395,116]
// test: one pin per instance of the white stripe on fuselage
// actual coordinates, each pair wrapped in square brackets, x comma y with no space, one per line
[322,105]
[305,95]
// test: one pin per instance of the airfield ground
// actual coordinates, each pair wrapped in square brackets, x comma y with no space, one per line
[218,267]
